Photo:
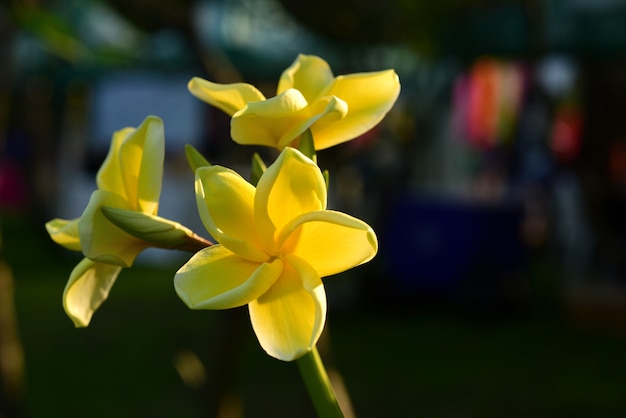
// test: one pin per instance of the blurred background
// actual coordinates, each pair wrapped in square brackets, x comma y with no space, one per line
[496,185]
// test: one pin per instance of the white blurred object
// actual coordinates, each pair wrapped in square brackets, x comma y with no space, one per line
[557,75]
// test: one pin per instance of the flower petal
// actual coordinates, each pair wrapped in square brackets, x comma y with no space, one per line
[88,286]
[278,121]
[141,156]
[330,241]
[109,176]
[65,233]
[228,97]
[133,167]
[215,278]
[225,203]
[328,109]
[308,275]
[369,97]
[269,121]
[100,239]
[309,74]
[293,185]
[288,319]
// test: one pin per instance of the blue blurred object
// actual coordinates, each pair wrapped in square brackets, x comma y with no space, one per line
[437,245]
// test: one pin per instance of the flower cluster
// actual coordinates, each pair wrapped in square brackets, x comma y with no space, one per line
[275,237]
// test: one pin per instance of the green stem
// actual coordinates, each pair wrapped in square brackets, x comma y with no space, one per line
[190,243]
[319,387]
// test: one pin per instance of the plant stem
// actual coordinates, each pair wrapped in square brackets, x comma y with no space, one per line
[318,385]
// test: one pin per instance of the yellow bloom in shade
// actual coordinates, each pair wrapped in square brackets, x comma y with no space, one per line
[130,178]
[276,242]
[335,109]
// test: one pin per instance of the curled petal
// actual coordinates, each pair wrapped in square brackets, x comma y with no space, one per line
[270,121]
[109,176]
[309,74]
[288,319]
[133,168]
[142,155]
[369,97]
[277,121]
[215,278]
[100,239]
[293,185]
[330,241]
[327,110]
[64,233]
[225,203]
[230,98]
[308,275]
[88,286]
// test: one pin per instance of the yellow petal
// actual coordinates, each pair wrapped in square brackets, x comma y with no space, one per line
[330,241]
[109,176]
[228,97]
[142,156]
[100,239]
[369,97]
[225,203]
[277,121]
[133,168]
[308,275]
[288,319]
[88,286]
[327,110]
[215,278]
[293,185]
[269,121]
[309,74]
[64,233]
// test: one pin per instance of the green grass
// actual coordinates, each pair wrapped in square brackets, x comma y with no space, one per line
[395,363]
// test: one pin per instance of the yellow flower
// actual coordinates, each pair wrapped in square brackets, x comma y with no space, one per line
[276,242]
[336,109]
[130,178]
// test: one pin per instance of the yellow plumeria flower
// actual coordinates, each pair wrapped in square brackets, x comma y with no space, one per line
[276,242]
[130,178]
[335,109]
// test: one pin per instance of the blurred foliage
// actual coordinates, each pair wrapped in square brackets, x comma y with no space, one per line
[55,31]
[431,27]
[151,15]
[59,35]
[459,28]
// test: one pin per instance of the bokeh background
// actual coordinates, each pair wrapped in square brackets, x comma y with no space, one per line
[497,187]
